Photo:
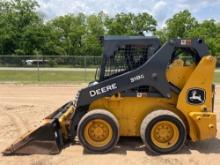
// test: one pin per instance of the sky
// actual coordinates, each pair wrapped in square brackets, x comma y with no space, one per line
[160,9]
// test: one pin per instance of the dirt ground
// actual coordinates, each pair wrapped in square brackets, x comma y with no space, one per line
[24,106]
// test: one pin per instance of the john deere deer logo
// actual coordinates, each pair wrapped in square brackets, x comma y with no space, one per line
[196,96]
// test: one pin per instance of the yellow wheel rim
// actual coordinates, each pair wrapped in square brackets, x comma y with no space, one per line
[164,134]
[98,133]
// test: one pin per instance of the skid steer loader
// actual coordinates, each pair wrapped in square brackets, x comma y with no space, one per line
[162,93]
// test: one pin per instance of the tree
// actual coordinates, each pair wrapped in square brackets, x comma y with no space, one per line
[24,31]
[94,30]
[130,24]
[16,19]
[161,34]
[71,29]
[208,31]
[180,24]
[144,22]
[218,40]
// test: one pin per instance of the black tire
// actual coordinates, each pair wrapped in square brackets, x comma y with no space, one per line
[162,115]
[103,115]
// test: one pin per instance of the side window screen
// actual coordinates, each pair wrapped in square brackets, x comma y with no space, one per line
[126,58]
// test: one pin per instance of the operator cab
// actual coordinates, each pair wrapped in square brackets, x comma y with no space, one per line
[125,53]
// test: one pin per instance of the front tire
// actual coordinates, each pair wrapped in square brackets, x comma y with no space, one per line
[163,132]
[98,131]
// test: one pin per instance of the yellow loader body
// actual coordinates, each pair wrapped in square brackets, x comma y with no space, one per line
[200,120]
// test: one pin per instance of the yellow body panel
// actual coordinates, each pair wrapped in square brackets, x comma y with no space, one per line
[205,123]
[202,77]
[178,74]
[130,111]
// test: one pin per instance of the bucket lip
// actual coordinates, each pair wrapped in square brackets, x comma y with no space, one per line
[41,140]
[7,152]
[46,137]
[22,150]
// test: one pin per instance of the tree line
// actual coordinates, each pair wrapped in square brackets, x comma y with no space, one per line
[25,31]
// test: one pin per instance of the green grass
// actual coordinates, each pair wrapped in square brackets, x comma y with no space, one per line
[54,76]
[46,76]
[217,77]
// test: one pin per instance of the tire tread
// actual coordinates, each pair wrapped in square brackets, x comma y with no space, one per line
[152,116]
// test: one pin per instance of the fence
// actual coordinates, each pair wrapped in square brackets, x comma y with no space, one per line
[50,61]
[48,68]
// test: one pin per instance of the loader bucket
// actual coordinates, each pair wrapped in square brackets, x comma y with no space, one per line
[46,139]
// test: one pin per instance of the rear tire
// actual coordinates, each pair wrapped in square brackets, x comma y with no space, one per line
[98,131]
[163,132]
